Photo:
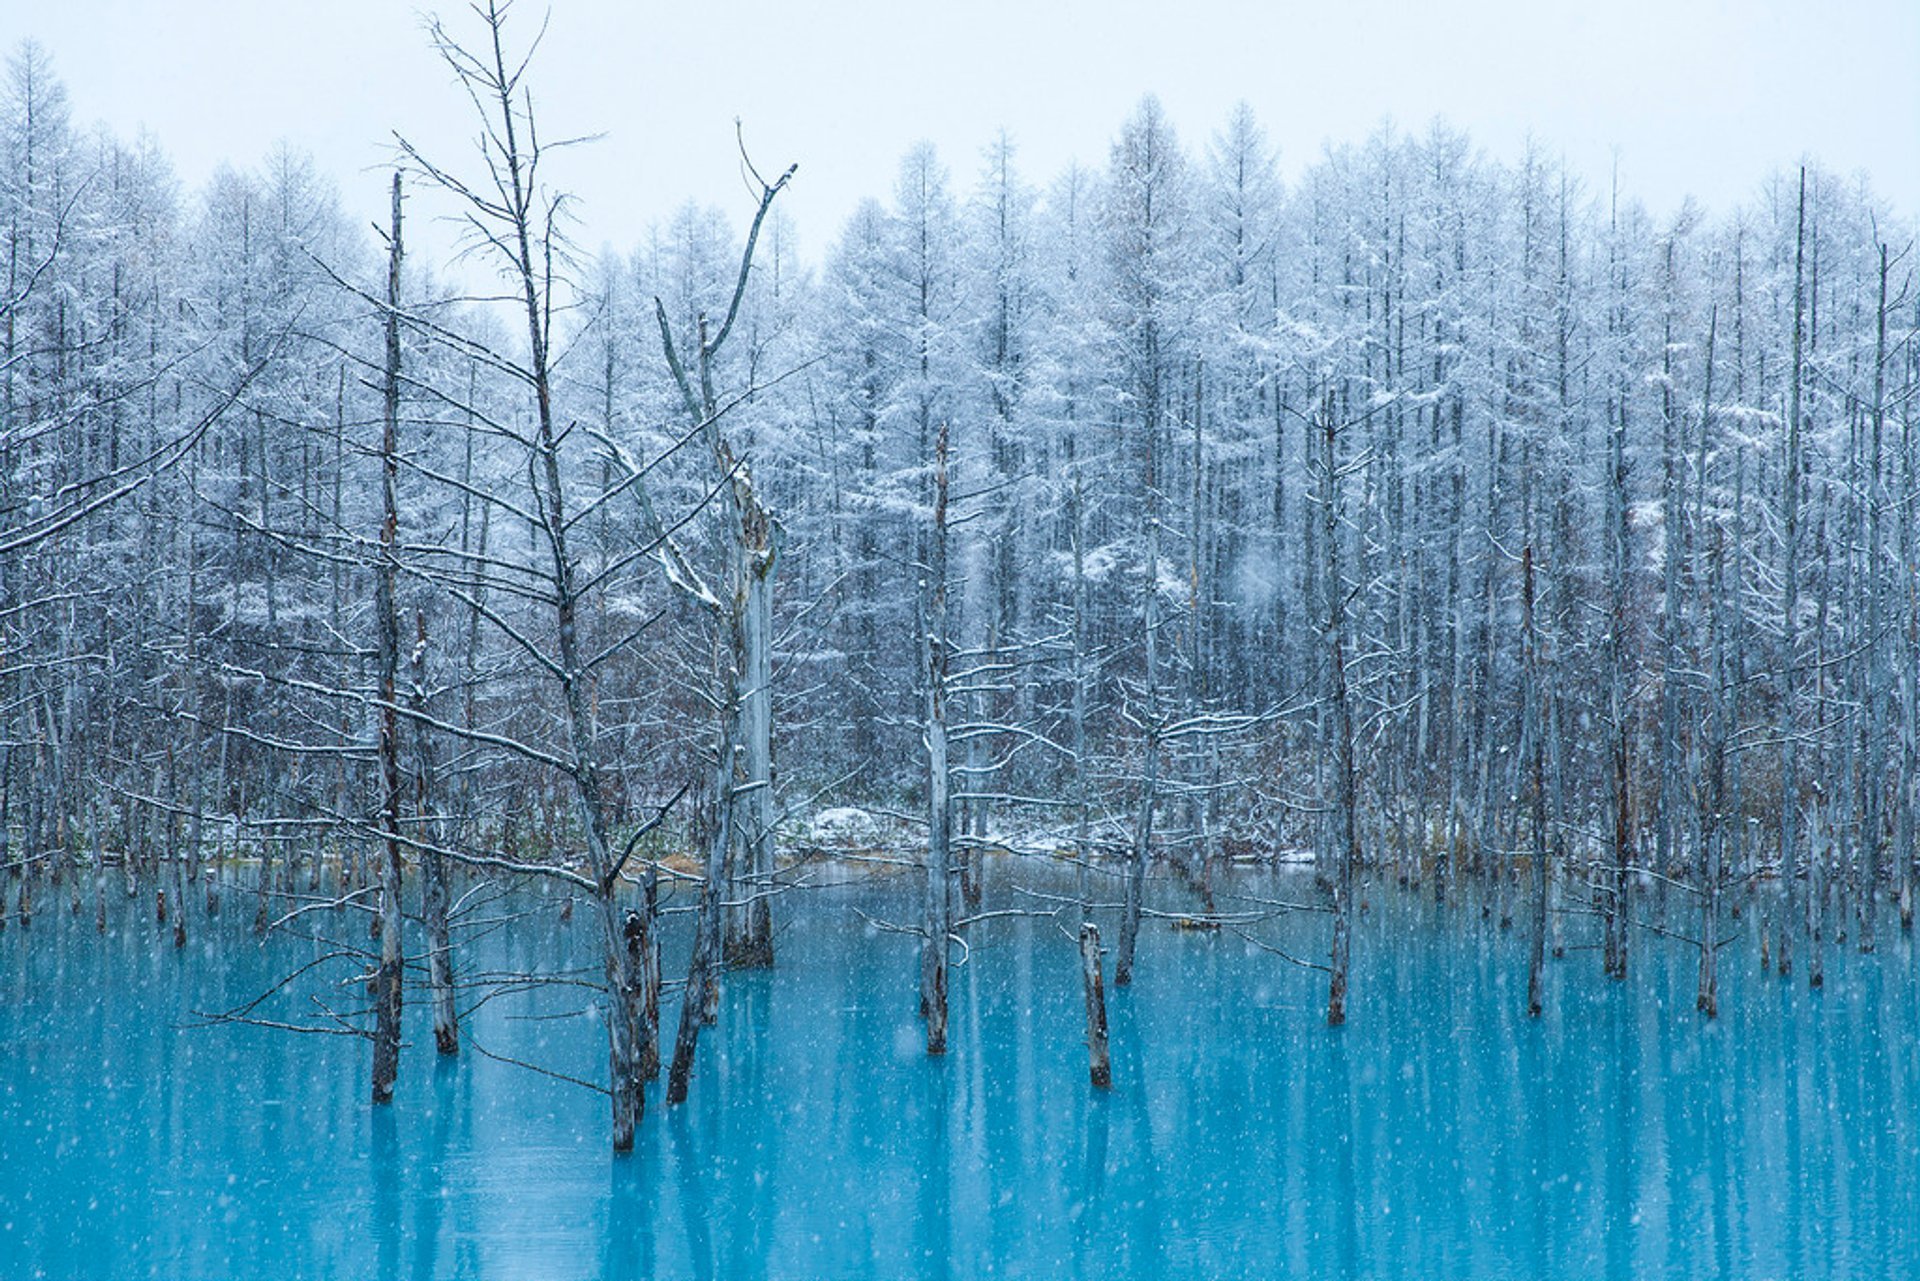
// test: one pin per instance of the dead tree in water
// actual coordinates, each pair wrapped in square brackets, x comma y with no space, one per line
[643,937]
[1533,734]
[1713,819]
[752,542]
[1820,811]
[516,221]
[1614,892]
[1874,842]
[1907,839]
[387,979]
[742,814]
[1713,816]
[434,889]
[1346,837]
[1151,723]
[937,920]
[1790,605]
[704,964]
[1082,804]
[1099,1065]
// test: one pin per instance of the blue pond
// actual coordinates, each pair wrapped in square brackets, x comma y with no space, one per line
[1441,1134]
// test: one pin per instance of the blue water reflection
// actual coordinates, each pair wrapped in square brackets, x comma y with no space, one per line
[1441,1134]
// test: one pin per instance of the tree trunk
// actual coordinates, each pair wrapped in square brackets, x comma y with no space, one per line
[1150,771]
[387,979]
[1874,837]
[1820,829]
[1533,737]
[937,923]
[1713,817]
[434,889]
[636,930]
[703,965]
[1083,808]
[513,174]
[1790,607]
[1345,802]
[649,974]
[1099,1066]
[1614,895]
[756,826]
[99,868]
[750,934]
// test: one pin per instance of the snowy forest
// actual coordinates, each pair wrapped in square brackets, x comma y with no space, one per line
[1430,522]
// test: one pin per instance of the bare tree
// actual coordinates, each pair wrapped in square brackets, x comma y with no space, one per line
[752,556]
[1790,607]
[387,981]
[1344,838]
[515,221]
[937,919]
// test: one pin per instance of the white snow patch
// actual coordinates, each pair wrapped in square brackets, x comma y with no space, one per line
[843,825]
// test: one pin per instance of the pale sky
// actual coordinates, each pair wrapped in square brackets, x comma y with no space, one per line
[1695,96]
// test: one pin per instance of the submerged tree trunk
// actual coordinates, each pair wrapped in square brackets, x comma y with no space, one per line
[1907,852]
[971,826]
[1347,852]
[937,920]
[703,965]
[1790,608]
[1874,836]
[752,556]
[1820,827]
[1083,808]
[1150,771]
[1099,1065]
[1713,816]
[15,868]
[744,813]
[1712,838]
[749,940]
[649,974]
[434,890]
[637,930]
[1533,737]
[753,945]
[387,979]
[518,224]
[1614,891]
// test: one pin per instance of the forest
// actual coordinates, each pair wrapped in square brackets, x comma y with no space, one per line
[1429,521]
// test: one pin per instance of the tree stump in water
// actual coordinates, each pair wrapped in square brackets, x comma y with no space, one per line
[1099,1066]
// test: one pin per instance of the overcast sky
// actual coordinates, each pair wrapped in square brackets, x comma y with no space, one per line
[1695,96]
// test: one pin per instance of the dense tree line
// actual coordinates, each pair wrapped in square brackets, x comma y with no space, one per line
[1434,513]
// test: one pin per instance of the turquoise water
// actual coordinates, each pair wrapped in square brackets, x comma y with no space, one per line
[1441,1134]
